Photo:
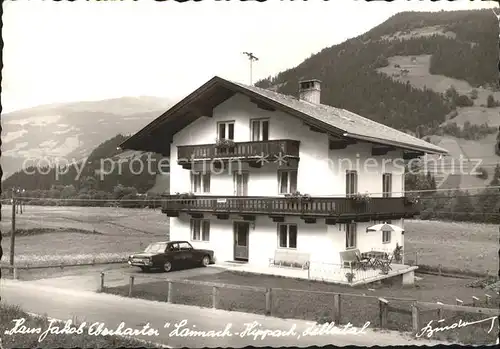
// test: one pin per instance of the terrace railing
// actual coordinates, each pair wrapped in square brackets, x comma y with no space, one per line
[245,150]
[313,206]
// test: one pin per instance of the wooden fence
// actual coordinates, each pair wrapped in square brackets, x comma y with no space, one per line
[385,307]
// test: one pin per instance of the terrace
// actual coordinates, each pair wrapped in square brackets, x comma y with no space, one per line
[331,273]
[335,210]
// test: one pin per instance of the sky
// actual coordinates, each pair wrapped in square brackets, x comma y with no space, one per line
[86,50]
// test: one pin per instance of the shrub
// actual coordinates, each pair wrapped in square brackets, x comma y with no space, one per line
[482,173]
[464,101]
[473,94]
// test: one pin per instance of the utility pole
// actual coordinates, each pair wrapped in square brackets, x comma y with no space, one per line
[498,18]
[251,58]
[13,231]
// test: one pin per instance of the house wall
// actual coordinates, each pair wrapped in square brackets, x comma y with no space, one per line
[370,169]
[263,181]
[323,242]
[321,172]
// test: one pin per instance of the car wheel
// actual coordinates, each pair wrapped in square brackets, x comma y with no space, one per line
[167,267]
[205,261]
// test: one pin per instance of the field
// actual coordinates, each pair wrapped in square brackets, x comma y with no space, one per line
[31,340]
[81,234]
[85,233]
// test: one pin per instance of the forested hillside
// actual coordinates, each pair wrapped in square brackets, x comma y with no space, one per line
[116,170]
[465,48]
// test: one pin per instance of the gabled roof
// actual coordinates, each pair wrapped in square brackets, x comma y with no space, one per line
[156,136]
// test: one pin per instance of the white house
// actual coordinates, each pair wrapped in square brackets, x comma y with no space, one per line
[279,145]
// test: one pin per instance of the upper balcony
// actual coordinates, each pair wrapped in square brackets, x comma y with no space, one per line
[336,210]
[251,152]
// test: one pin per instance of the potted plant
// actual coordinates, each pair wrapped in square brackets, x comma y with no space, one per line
[185,197]
[350,276]
[222,143]
[410,200]
[297,196]
[398,256]
[361,199]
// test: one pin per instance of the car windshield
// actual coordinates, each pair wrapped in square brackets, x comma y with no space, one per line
[156,247]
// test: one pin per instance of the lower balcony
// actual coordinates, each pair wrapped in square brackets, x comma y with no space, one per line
[335,210]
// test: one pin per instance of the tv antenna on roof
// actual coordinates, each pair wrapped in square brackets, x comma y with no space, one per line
[251,58]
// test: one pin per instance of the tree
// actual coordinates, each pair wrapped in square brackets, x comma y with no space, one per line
[464,101]
[462,206]
[490,101]
[495,181]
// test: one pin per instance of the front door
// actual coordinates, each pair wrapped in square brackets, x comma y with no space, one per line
[241,183]
[241,233]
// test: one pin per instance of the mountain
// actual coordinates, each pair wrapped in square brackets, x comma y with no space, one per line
[71,130]
[426,73]
[106,167]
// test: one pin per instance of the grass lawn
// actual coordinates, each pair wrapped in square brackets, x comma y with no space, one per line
[25,340]
[319,306]
[454,245]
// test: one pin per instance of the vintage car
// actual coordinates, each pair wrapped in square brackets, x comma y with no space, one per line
[165,255]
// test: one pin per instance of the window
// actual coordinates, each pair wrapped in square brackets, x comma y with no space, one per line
[185,246]
[174,247]
[386,237]
[287,235]
[259,130]
[287,181]
[200,230]
[387,185]
[351,183]
[350,236]
[200,182]
[226,130]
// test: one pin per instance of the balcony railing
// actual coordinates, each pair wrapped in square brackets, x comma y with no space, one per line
[284,148]
[315,206]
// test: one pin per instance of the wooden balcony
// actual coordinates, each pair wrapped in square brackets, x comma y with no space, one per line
[336,210]
[252,152]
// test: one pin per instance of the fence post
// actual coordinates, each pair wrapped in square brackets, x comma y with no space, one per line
[336,307]
[487,298]
[130,286]
[416,258]
[102,282]
[170,293]
[15,274]
[383,311]
[440,311]
[474,301]
[269,301]
[215,297]
[439,269]
[415,317]
[459,301]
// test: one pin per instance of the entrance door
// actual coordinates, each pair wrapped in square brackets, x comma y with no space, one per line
[241,183]
[241,233]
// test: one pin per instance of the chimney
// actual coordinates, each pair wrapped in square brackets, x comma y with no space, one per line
[310,91]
